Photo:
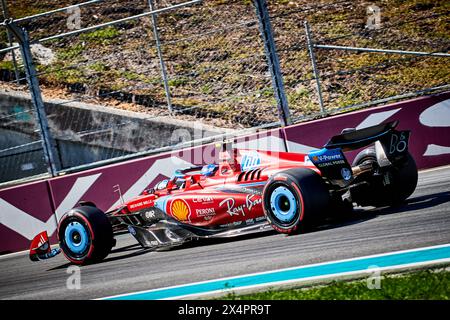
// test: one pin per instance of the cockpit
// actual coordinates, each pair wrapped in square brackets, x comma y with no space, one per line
[186,177]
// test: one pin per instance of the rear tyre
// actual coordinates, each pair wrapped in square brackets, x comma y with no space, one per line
[386,188]
[85,235]
[293,199]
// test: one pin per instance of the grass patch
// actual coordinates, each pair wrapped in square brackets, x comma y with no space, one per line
[70,53]
[101,36]
[22,9]
[178,82]
[423,285]
[69,76]
[7,65]
[98,67]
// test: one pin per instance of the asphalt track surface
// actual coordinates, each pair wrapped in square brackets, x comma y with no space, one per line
[423,221]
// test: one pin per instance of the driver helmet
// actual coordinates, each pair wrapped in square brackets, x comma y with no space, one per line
[209,170]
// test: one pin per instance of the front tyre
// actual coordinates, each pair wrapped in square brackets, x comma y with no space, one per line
[294,198]
[85,235]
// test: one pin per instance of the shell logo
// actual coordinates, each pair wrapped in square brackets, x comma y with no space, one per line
[180,210]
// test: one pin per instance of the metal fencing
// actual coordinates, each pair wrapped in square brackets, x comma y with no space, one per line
[346,57]
[123,80]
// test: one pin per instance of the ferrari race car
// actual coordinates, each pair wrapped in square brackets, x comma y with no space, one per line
[247,191]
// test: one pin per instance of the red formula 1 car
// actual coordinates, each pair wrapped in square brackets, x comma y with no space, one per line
[248,191]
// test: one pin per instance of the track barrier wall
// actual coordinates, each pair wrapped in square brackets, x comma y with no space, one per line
[27,209]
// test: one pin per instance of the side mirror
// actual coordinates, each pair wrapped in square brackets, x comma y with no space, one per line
[40,248]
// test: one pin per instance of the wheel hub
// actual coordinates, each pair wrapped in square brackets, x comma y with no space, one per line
[283,204]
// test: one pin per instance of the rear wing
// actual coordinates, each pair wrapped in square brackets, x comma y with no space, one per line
[391,147]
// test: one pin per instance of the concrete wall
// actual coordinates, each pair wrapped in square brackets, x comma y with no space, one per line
[119,132]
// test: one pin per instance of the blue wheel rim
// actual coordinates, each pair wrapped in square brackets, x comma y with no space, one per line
[76,237]
[283,204]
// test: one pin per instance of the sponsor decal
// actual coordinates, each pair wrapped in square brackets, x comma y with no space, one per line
[208,212]
[249,221]
[231,224]
[180,210]
[140,204]
[327,157]
[251,201]
[231,208]
[203,199]
[41,243]
[346,174]
[149,215]
[399,142]
[328,164]
[255,188]
[250,161]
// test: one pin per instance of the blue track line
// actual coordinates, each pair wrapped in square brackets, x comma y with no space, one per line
[336,268]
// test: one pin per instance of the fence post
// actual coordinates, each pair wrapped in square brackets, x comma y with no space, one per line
[48,145]
[160,56]
[314,65]
[13,54]
[265,28]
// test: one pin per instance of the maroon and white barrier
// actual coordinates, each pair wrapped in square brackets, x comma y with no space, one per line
[31,208]
[25,211]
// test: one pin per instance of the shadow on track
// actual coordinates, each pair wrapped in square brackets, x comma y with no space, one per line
[416,203]
[360,214]
[138,250]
